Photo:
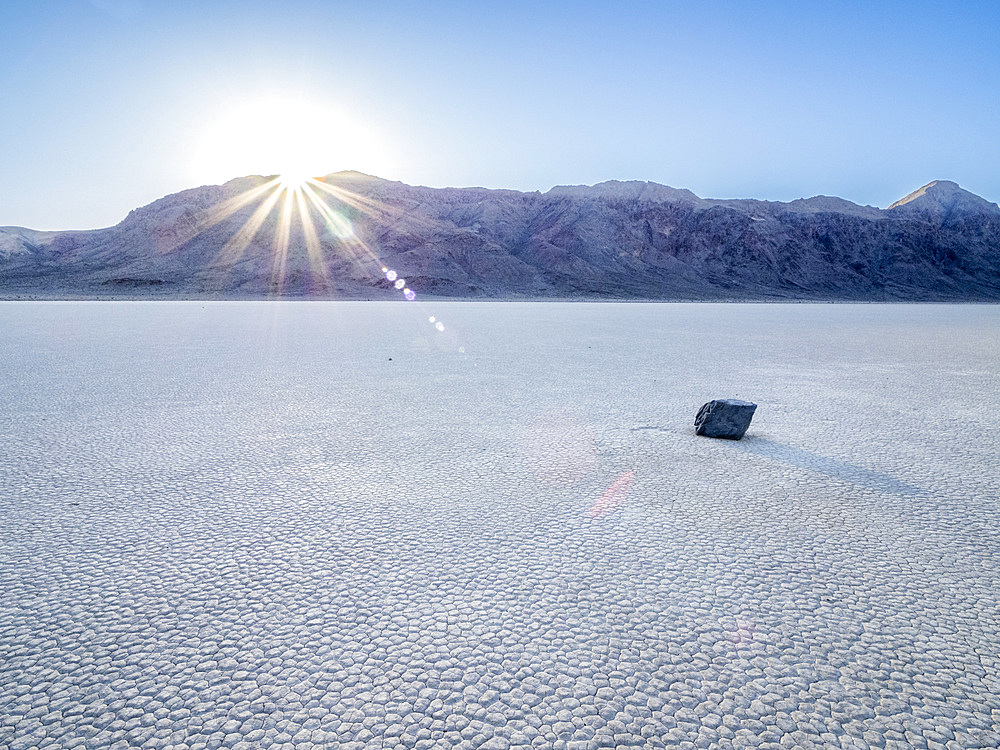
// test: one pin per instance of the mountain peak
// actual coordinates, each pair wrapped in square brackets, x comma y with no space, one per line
[628,189]
[943,194]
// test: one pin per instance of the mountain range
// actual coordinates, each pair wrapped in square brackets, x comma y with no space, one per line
[255,237]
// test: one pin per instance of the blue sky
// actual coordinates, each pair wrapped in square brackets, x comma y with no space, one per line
[110,104]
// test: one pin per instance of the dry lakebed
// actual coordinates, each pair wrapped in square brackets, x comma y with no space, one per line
[444,524]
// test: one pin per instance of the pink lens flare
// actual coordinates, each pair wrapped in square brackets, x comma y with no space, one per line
[613,496]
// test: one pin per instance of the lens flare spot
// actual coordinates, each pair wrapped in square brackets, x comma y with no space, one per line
[439,325]
[339,226]
[409,294]
[613,496]
[400,283]
[431,319]
[390,274]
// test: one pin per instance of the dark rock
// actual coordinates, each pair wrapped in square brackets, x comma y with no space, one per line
[726,418]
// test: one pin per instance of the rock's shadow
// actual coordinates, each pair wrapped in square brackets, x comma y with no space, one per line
[831,467]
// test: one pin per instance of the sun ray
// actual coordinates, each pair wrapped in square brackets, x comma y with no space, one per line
[369,207]
[366,205]
[228,207]
[218,213]
[313,247]
[375,209]
[302,196]
[336,223]
[233,250]
[342,229]
[282,237]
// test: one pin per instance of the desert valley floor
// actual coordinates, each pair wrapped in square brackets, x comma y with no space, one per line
[342,525]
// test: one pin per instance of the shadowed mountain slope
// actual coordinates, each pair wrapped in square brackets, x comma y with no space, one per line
[628,240]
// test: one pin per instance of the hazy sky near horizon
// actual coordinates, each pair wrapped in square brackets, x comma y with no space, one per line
[110,104]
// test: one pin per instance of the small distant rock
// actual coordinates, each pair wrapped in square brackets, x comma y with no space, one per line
[726,418]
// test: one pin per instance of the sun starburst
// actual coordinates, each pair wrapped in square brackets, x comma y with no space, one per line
[314,213]
[293,181]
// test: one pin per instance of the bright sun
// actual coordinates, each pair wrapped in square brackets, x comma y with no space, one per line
[293,180]
[302,220]
[294,137]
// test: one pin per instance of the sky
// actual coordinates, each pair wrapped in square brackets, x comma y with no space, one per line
[111,104]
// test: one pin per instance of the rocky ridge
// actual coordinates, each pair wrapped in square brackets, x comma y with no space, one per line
[630,240]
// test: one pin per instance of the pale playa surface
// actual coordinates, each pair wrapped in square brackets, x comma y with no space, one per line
[241,525]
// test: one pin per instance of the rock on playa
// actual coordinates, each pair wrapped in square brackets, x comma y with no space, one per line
[726,418]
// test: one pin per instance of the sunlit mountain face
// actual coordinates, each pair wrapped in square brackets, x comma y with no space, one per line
[311,208]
